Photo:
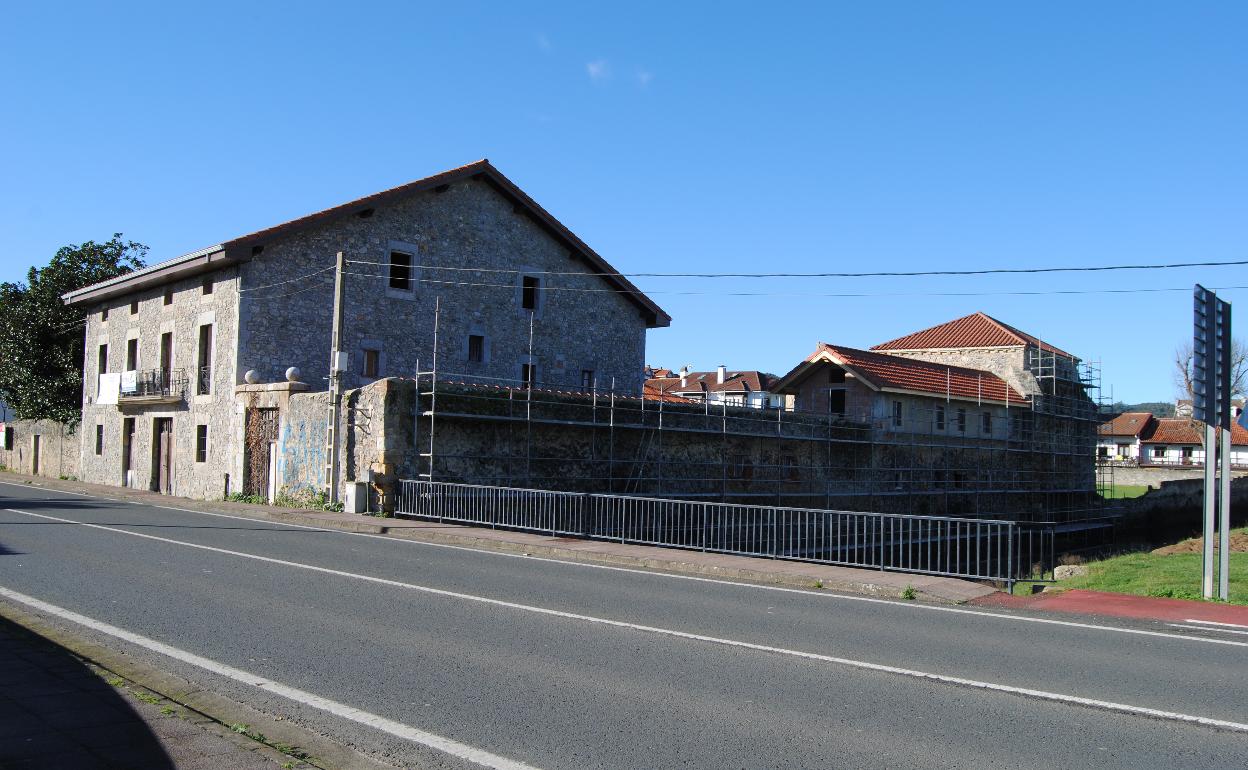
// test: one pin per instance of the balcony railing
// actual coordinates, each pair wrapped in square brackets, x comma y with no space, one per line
[154,385]
[203,381]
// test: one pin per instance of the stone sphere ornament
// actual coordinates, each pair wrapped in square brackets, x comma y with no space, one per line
[292,374]
[251,377]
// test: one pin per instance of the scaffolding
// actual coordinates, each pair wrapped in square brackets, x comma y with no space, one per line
[1040,466]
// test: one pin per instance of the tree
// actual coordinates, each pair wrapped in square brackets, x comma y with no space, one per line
[41,338]
[1239,369]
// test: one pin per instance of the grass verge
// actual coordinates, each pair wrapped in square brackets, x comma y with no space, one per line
[1124,491]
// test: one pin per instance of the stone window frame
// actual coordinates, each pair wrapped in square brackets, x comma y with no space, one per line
[207,318]
[414,276]
[361,350]
[133,334]
[530,361]
[529,271]
[466,350]
[202,447]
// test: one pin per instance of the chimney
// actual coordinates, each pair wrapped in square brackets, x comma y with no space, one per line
[719,374]
[684,376]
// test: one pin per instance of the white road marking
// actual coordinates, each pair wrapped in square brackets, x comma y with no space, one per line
[1216,623]
[398,729]
[1207,628]
[810,593]
[1123,708]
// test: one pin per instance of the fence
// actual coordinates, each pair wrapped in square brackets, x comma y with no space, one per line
[980,549]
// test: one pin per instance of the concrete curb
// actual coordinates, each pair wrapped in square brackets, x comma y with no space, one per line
[324,752]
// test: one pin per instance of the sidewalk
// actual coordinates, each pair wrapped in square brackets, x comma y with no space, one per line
[1083,602]
[57,710]
[715,565]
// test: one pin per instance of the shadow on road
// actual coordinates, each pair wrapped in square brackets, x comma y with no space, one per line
[57,712]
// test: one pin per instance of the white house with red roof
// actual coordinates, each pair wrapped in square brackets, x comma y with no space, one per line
[1179,441]
[741,387]
[1118,440]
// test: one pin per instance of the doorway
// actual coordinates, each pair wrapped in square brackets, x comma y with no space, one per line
[162,455]
[127,452]
[35,445]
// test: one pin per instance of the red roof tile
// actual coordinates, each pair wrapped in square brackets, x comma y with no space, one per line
[898,373]
[1180,430]
[977,330]
[652,393]
[1126,424]
[734,382]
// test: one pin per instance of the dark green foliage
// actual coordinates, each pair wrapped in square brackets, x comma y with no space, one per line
[41,338]
[1158,408]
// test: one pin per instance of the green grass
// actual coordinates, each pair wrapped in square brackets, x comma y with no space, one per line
[1175,575]
[1123,491]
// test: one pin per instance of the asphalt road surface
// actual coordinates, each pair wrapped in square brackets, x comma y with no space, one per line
[437,656]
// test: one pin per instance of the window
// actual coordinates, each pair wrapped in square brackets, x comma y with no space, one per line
[134,307]
[986,422]
[207,284]
[1102,451]
[372,363]
[1187,452]
[897,414]
[201,443]
[132,354]
[962,421]
[99,439]
[101,360]
[528,374]
[528,292]
[836,376]
[476,348]
[836,402]
[400,271]
[104,314]
[587,379]
[168,295]
[1159,451]
[8,438]
[940,418]
[203,374]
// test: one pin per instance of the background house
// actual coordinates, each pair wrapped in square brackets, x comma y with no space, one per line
[1118,440]
[723,386]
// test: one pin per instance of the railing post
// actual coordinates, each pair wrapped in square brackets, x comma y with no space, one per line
[1009,568]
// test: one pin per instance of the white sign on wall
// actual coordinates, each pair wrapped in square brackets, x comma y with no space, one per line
[110,385]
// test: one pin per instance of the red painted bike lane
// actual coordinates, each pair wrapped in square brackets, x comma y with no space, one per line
[1081,602]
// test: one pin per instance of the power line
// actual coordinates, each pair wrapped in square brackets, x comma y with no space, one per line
[830,295]
[883,274]
[292,280]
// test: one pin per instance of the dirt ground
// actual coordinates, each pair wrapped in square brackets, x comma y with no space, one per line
[1239,544]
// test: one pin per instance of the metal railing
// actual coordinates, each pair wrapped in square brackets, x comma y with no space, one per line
[980,549]
[203,381]
[157,382]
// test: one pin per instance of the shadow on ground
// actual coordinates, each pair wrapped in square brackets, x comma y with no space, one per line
[55,712]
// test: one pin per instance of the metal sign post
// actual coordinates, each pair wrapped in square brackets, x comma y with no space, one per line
[1211,404]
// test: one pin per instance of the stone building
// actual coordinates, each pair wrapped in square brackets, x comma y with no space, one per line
[739,387]
[519,297]
[39,447]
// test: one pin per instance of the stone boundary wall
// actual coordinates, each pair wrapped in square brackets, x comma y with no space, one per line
[1173,510]
[575,442]
[1153,476]
[59,448]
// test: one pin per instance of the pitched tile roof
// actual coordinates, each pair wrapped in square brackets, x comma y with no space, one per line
[1180,430]
[240,249]
[977,330]
[652,393]
[911,374]
[734,382]
[1126,424]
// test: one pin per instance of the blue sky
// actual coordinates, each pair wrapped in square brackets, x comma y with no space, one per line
[703,138]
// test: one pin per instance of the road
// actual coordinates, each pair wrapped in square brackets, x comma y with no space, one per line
[440,656]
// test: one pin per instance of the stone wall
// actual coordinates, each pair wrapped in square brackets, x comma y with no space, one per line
[188,309]
[58,448]
[580,323]
[1173,510]
[1153,477]
[567,441]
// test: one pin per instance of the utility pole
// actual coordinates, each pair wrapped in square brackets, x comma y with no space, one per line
[337,362]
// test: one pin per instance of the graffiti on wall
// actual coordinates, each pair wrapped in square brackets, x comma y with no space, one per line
[301,454]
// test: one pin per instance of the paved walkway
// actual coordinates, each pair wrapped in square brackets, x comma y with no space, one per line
[57,711]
